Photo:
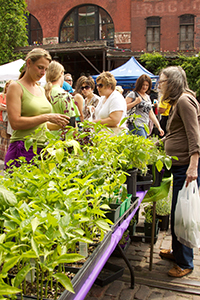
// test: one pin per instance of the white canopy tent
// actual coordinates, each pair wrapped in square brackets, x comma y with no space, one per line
[11,71]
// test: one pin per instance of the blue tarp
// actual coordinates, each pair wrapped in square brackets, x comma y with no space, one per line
[127,74]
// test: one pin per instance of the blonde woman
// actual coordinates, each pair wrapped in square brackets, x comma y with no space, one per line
[62,102]
[28,108]
[112,106]
[4,136]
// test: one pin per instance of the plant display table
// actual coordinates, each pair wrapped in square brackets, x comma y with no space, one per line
[115,238]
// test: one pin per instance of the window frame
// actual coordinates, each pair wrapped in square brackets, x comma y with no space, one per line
[97,25]
[154,28]
[187,26]
[29,30]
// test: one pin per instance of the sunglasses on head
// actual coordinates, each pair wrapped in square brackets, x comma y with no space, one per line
[87,87]
[100,85]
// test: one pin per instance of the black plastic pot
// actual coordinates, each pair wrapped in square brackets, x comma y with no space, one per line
[147,177]
[140,236]
[131,182]
[72,122]
[163,222]
[157,176]
[114,213]
[148,228]
[143,185]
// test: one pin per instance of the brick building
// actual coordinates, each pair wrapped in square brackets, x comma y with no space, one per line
[91,36]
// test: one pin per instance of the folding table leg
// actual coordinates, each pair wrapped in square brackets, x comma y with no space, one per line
[128,264]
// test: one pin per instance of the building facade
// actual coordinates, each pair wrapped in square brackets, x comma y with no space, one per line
[104,34]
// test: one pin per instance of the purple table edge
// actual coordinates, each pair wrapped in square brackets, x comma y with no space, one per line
[116,237]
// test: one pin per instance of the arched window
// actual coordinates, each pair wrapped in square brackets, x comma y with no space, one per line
[153,34]
[186,36]
[34,29]
[87,23]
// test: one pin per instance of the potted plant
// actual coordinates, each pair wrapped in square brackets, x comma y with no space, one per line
[163,210]
[132,226]
[148,214]
[159,161]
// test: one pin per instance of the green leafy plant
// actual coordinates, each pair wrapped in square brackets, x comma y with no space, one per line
[13,25]
[163,206]
[148,213]
[133,220]
[61,198]
[154,62]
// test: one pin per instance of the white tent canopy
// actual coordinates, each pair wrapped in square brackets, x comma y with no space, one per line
[11,71]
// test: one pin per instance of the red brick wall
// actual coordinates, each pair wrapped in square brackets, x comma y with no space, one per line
[50,13]
[127,16]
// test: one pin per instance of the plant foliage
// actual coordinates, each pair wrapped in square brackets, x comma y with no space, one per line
[61,198]
[12,28]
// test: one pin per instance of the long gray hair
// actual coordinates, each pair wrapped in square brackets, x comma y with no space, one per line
[176,84]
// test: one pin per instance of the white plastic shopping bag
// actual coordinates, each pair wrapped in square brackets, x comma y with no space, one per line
[187,216]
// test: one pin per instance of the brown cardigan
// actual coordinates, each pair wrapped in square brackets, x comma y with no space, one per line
[183,130]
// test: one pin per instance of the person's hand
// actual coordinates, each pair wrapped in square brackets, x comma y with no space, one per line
[59,119]
[191,175]
[161,132]
[2,107]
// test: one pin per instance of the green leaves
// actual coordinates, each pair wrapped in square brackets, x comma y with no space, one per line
[13,26]
[64,280]
[21,275]
[6,289]
[7,198]
[60,199]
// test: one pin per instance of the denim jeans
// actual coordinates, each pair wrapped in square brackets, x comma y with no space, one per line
[138,131]
[183,255]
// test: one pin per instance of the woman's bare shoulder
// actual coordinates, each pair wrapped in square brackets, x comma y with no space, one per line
[14,88]
[78,97]
[15,85]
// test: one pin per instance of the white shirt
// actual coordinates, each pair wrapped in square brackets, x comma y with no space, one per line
[115,102]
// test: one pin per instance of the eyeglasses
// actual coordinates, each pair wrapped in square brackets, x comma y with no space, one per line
[100,85]
[161,81]
[69,80]
[87,87]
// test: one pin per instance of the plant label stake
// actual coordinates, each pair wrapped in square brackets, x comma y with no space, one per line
[83,249]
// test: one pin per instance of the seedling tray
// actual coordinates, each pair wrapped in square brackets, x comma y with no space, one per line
[108,274]
[87,268]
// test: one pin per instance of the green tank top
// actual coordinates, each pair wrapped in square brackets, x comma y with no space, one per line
[32,106]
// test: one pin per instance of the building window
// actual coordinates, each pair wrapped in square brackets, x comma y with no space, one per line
[87,23]
[34,29]
[186,40]
[153,34]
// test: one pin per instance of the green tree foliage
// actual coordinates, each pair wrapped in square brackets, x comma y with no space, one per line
[12,28]
[191,65]
[154,62]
